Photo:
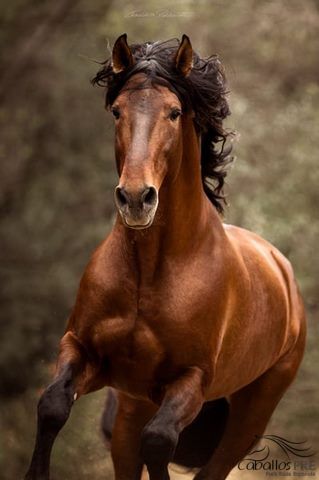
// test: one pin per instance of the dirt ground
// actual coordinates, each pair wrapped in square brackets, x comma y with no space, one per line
[176,473]
[235,475]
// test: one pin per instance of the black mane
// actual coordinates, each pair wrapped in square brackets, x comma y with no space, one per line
[203,91]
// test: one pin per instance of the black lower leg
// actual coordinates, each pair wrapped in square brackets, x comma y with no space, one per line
[53,411]
[159,440]
[181,403]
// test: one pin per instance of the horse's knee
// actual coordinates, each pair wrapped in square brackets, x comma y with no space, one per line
[158,443]
[55,405]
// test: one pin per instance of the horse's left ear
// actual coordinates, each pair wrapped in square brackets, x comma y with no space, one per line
[122,57]
[184,56]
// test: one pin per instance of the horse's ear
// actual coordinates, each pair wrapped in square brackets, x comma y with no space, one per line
[122,57]
[184,56]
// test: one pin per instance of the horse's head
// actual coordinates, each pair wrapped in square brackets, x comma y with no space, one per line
[147,137]
[150,87]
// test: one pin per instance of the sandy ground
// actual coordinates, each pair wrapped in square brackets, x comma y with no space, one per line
[176,473]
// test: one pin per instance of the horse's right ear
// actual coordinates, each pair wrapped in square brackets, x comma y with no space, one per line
[184,56]
[122,57]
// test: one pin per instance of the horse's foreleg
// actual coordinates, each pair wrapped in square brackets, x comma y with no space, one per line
[250,411]
[55,405]
[131,417]
[181,403]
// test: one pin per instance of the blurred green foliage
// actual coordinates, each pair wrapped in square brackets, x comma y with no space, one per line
[57,178]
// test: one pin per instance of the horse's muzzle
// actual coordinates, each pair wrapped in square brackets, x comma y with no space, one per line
[137,208]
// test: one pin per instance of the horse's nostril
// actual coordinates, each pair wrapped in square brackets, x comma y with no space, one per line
[121,196]
[135,200]
[149,196]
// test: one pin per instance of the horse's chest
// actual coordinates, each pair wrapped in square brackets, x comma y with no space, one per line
[152,333]
[152,319]
[136,344]
[132,353]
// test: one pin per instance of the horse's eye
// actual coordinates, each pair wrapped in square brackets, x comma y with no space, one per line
[116,113]
[175,114]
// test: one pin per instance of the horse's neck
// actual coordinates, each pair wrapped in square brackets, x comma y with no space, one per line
[184,221]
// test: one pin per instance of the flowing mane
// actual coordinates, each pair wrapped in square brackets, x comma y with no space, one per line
[203,91]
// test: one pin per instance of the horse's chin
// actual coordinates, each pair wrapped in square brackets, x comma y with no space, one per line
[137,224]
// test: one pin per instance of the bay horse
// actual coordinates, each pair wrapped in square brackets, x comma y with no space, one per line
[197,327]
